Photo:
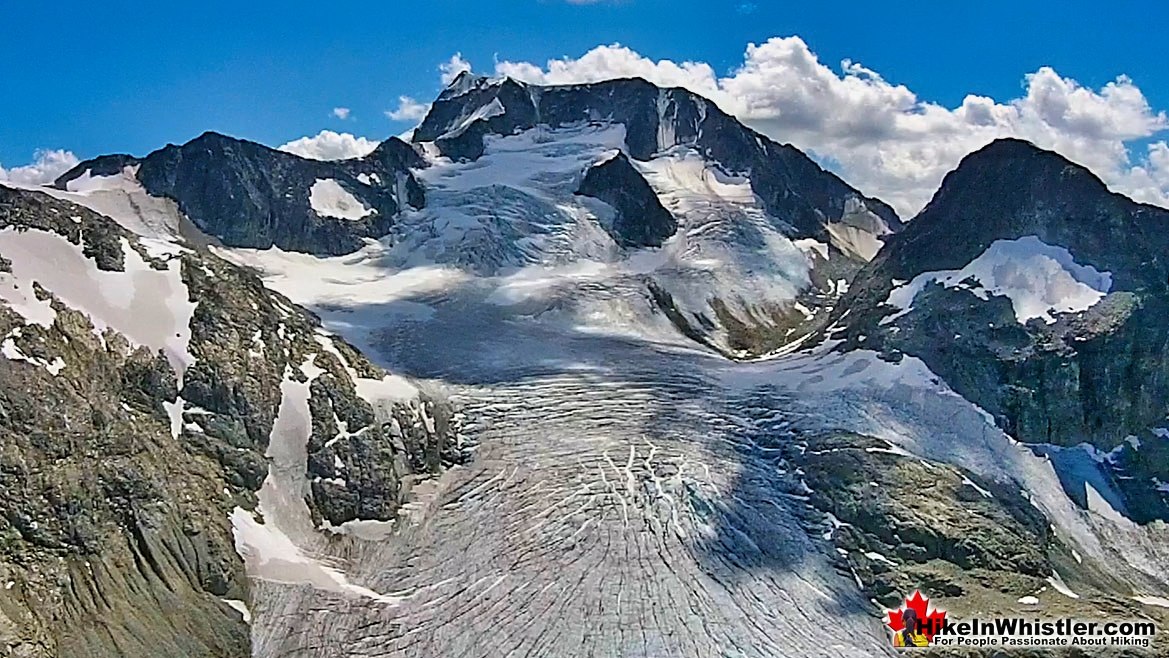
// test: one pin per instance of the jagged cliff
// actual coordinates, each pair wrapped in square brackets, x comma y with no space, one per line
[245,194]
[137,401]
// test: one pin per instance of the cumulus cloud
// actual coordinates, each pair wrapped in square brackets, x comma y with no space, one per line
[451,68]
[882,137]
[341,113]
[47,166]
[408,110]
[329,145]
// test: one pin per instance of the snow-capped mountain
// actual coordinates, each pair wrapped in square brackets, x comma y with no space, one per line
[166,419]
[248,195]
[755,236]
[579,370]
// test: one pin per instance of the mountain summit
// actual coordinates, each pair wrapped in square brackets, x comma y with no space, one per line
[1041,296]
[790,185]
[245,194]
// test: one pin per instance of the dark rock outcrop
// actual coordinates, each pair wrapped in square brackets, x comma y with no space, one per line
[248,195]
[902,524]
[641,219]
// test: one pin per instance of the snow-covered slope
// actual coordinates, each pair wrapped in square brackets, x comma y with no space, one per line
[619,466]
[1039,279]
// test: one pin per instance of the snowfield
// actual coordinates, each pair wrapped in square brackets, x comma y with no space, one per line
[1039,279]
[150,307]
[328,199]
[624,499]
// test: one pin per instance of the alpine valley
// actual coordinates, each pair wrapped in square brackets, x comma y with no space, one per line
[588,370]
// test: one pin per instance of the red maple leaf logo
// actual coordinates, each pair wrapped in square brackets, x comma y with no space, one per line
[931,618]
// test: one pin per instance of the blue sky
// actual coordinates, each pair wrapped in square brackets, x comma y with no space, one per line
[96,77]
[113,76]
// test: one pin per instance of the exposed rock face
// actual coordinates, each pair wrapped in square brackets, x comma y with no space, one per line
[793,188]
[641,219]
[1097,375]
[904,524]
[249,195]
[901,524]
[118,472]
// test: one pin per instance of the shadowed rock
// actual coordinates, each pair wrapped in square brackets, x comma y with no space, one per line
[641,219]
[248,195]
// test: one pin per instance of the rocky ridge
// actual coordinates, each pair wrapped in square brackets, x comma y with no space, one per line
[248,195]
[1092,376]
[808,200]
[120,470]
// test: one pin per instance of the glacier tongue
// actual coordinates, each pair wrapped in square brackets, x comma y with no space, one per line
[622,501]
[626,495]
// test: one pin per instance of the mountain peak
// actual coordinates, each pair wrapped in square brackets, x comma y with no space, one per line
[794,189]
[1010,189]
[1016,173]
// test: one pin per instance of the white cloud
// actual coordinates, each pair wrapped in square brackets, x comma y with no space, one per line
[49,164]
[408,110]
[451,68]
[328,145]
[341,113]
[881,136]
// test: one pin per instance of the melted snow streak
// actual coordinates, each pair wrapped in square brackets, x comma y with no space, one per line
[619,503]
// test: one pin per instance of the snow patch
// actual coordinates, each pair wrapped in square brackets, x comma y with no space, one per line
[1057,583]
[10,351]
[1039,279]
[241,608]
[148,306]
[813,245]
[271,555]
[329,199]
[1157,601]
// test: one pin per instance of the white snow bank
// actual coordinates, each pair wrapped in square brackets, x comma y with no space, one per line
[1040,280]
[351,282]
[271,555]
[122,198]
[241,608]
[10,351]
[812,245]
[20,297]
[277,550]
[150,307]
[329,199]
[390,387]
[1056,581]
[1158,601]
